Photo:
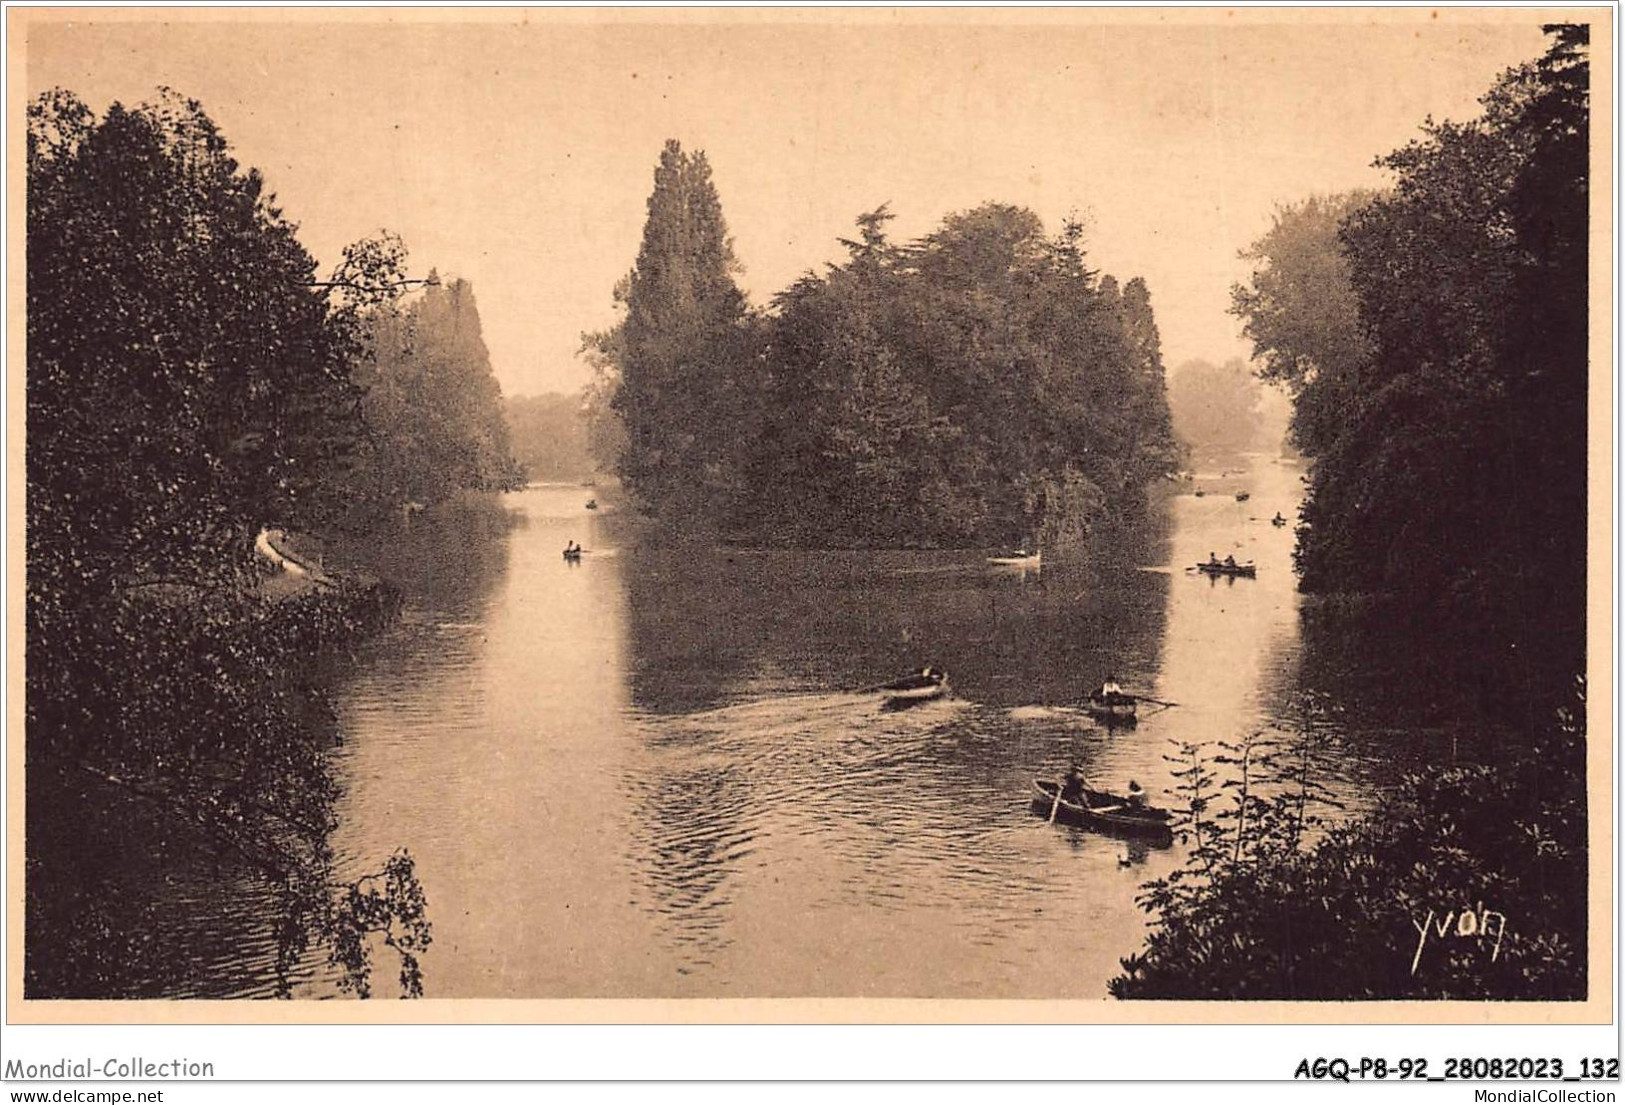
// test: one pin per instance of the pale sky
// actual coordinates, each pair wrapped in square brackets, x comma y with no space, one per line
[519,155]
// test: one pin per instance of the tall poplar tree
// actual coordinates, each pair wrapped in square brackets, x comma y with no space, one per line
[679,348]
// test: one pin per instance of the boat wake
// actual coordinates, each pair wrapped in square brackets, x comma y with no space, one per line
[934,570]
[1042,713]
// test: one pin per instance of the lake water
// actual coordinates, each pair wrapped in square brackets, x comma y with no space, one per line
[656,772]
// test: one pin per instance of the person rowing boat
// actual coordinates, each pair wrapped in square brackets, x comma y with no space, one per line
[1072,802]
[1072,785]
[925,684]
[1111,693]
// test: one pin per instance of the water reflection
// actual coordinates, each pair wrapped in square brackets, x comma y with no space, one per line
[127,901]
[189,857]
[706,631]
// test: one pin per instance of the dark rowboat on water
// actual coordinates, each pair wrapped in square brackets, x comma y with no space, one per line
[1212,569]
[921,687]
[1113,709]
[1096,809]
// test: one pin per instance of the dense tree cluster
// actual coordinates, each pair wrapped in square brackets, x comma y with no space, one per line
[1300,311]
[677,351]
[978,386]
[187,382]
[433,422]
[193,381]
[1436,338]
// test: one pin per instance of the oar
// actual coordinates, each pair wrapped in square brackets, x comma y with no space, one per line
[1158,701]
[1055,808]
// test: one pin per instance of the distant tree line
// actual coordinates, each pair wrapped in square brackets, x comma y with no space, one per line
[1217,406]
[1435,339]
[551,435]
[981,385]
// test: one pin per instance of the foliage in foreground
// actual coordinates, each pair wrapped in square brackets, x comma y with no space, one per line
[191,377]
[1434,339]
[191,381]
[208,713]
[1468,883]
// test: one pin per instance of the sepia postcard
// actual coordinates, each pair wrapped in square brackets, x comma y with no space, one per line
[1083,515]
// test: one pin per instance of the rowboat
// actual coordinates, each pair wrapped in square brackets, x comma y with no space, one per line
[1096,809]
[920,687]
[1021,559]
[1277,520]
[1243,496]
[1116,709]
[1248,570]
[572,554]
[592,504]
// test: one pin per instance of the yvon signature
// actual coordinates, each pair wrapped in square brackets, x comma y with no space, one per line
[1468,924]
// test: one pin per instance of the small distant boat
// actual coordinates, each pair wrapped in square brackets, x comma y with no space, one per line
[1243,496]
[592,504]
[1277,520]
[1216,569]
[1113,709]
[1200,492]
[1096,809]
[572,552]
[922,686]
[1019,559]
